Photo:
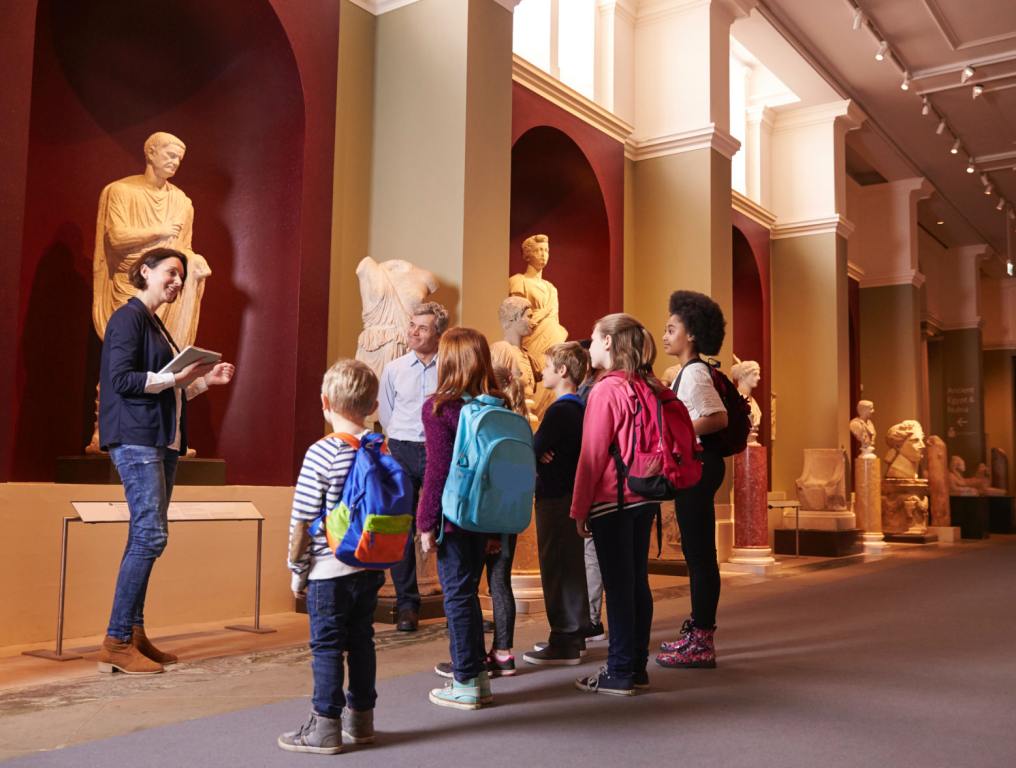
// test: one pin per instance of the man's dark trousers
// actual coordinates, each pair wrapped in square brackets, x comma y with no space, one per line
[413,458]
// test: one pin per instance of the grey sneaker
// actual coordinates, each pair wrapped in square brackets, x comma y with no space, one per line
[319,735]
[358,726]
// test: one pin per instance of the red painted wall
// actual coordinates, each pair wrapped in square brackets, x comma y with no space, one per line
[568,183]
[253,95]
[751,259]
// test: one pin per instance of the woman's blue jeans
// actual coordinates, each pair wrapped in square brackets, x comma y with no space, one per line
[147,474]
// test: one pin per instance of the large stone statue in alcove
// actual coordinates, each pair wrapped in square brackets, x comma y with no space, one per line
[138,213]
[542,297]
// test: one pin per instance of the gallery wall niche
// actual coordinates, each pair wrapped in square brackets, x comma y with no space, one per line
[750,254]
[252,95]
[555,192]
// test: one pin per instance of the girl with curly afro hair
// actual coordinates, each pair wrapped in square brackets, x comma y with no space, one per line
[695,327]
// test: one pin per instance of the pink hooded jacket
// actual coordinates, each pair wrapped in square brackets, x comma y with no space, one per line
[610,417]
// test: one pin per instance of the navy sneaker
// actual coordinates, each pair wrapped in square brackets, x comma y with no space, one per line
[604,683]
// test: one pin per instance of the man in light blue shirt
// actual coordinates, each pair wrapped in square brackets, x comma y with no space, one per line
[405,383]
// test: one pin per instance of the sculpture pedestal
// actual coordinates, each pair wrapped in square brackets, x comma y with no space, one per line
[902,499]
[751,551]
[972,515]
[821,519]
[947,534]
[1002,516]
[868,502]
[526,584]
[815,543]
[915,537]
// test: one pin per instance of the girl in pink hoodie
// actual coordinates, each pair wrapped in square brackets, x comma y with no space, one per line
[621,536]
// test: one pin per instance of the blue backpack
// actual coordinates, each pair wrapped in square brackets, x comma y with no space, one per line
[493,473]
[370,525]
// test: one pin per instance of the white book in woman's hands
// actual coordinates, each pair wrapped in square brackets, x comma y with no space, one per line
[191,355]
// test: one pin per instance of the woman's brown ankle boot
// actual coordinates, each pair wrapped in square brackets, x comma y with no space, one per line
[118,656]
[140,641]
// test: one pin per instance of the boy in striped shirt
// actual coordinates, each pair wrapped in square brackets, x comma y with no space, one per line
[340,598]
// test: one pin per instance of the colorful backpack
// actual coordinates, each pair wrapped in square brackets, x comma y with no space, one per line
[733,438]
[662,457]
[493,473]
[370,525]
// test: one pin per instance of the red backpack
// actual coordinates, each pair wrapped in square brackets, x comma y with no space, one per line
[662,458]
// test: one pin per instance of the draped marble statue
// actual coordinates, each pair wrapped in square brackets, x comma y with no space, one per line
[390,291]
[138,213]
[542,297]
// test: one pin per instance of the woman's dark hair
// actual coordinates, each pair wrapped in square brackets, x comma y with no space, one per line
[151,260]
[702,318]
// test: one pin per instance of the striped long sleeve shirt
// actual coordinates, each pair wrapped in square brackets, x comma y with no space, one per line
[319,487]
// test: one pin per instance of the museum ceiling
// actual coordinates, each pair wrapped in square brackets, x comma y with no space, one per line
[928,43]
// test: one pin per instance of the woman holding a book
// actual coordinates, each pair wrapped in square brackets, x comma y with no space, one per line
[143,425]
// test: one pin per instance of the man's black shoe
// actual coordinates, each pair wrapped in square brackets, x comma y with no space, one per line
[408,621]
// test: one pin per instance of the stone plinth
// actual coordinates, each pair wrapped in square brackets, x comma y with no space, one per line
[904,505]
[938,482]
[821,519]
[751,549]
[868,502]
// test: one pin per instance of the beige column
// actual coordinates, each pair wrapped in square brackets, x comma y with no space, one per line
[678,181]
[441,179]
[614,80]
[810,360]
[758,155]
[885,247]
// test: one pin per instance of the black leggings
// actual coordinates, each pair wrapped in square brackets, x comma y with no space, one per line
[696,517]
[499,581]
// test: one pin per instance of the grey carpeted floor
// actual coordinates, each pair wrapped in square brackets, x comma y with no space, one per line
[913,665]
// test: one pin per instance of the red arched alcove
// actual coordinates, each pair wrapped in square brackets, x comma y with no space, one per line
[106,75]
[555,192]
[751,326]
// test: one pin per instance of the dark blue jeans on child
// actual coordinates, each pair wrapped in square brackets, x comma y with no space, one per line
[342,620]
[460,559]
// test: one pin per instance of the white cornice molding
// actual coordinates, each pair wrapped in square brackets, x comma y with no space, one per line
[568,99]
[378,7]
[963,325]
[845,110]
[825,225]
[751,209]
[855,271]
[652,11]
[626,9]
[708,137]
[913,277]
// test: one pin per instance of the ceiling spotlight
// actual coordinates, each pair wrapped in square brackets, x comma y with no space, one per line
[925,108]
[940,222]
[905,85]
[883,47]
[977,91]
[1001,204]
[858,18]
[985,180]
[970,165]
[940,128]
[966,74]
[955,147]
[988,189]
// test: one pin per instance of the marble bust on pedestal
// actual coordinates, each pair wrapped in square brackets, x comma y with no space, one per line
[906,449]
[904,492]
[863,428]
[746,376]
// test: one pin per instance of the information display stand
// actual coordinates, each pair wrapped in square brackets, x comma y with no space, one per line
[98,512]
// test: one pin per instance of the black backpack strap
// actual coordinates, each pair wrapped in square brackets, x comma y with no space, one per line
[680,373]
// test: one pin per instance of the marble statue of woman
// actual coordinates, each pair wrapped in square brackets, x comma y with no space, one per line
[390,291]
[138,213]
[863,428]
[542,296]
[516,318]
[746,376]
[906,444]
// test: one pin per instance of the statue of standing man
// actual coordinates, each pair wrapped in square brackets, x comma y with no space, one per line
[542,297]
[136,214]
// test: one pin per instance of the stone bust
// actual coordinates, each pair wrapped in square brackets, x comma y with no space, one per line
[516,317]
[863,428]
[746,377]
[906,449]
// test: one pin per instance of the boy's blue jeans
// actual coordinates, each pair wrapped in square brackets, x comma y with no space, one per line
[342,620]
[147,474]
